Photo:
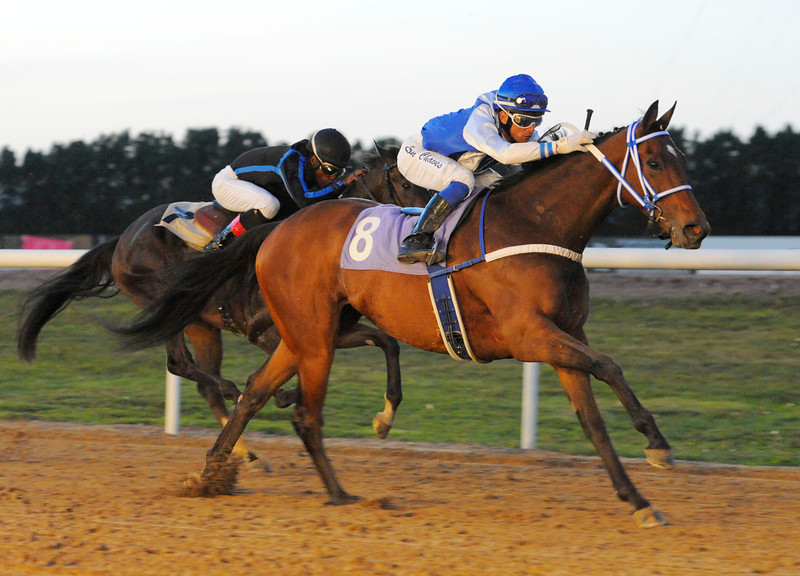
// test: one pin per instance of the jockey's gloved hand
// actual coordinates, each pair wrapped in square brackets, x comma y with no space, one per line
[353,176]
[574,142]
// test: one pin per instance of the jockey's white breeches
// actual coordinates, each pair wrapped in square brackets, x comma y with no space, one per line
[435,171]
[240,196]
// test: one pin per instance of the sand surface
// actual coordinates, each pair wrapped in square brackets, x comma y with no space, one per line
[107,500]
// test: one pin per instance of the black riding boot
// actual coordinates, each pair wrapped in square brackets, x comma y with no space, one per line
[238,226]
[418,247]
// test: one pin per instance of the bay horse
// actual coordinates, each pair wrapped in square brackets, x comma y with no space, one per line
[528,301]
[138,263]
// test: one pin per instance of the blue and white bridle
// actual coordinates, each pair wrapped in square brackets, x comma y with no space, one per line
[648,202]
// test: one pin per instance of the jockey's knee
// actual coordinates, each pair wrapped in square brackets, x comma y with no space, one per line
[269,208]
[455,192]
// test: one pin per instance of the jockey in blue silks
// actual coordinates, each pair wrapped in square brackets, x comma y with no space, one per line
[455,152]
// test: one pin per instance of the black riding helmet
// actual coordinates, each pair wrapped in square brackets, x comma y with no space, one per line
[330,146]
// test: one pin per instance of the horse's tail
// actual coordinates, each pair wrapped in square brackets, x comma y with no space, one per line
[89,276]
[192,286]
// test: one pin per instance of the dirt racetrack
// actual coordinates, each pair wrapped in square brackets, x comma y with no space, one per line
[99,500]
[105,500]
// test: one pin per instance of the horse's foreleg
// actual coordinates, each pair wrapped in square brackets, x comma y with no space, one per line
[275,372]
[207,342]
[658,452]
[205,370]
[575,361]
[578,388]
[568,352]
[364,335]
[307,419]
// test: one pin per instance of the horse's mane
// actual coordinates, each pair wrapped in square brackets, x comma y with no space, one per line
[529,168]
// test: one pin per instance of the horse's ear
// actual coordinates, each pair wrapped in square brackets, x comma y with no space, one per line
[663,122]
[650,117]
[388,155]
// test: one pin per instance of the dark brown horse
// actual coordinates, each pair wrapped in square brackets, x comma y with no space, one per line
[530,305]
[138,264]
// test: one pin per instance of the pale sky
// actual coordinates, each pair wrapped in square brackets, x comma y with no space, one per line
[80,69]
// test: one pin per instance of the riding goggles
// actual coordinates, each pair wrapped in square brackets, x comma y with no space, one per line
[330,169]
[530,101]
[525,120]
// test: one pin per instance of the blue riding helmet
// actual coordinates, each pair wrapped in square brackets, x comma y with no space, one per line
[521,94]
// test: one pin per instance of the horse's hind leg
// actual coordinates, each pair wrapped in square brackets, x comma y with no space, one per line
[261,385]
[364,335]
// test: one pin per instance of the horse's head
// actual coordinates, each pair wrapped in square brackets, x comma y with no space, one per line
[400,190]
[662,182]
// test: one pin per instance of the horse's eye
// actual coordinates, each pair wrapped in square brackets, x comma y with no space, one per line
[654,164]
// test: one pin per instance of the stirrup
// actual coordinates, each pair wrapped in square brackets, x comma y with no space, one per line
[434,256]
[219,242]
[413,251]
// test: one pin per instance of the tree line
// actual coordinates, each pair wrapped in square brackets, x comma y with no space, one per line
[745,187]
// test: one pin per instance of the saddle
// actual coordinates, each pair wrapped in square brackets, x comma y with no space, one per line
[373,243]
[196,223]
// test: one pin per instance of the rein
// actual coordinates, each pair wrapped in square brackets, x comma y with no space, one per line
[648,202]
[389,186]
[367,193]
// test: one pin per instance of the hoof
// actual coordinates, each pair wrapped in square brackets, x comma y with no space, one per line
[660,458]
[193,486]
[217,478]
[229,391]
[343,500]
[649,518]
[381,425]
[284,399]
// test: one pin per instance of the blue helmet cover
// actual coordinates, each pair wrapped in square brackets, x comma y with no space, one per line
[521,93]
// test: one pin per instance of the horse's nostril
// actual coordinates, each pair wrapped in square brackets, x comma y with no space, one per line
[695,232]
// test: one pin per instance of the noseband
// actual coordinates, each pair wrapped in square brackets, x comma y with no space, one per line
[650,196]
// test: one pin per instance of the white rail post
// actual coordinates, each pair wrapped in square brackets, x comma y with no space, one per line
[530,404]
[172,405]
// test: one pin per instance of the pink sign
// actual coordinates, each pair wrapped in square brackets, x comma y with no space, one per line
[38,243]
